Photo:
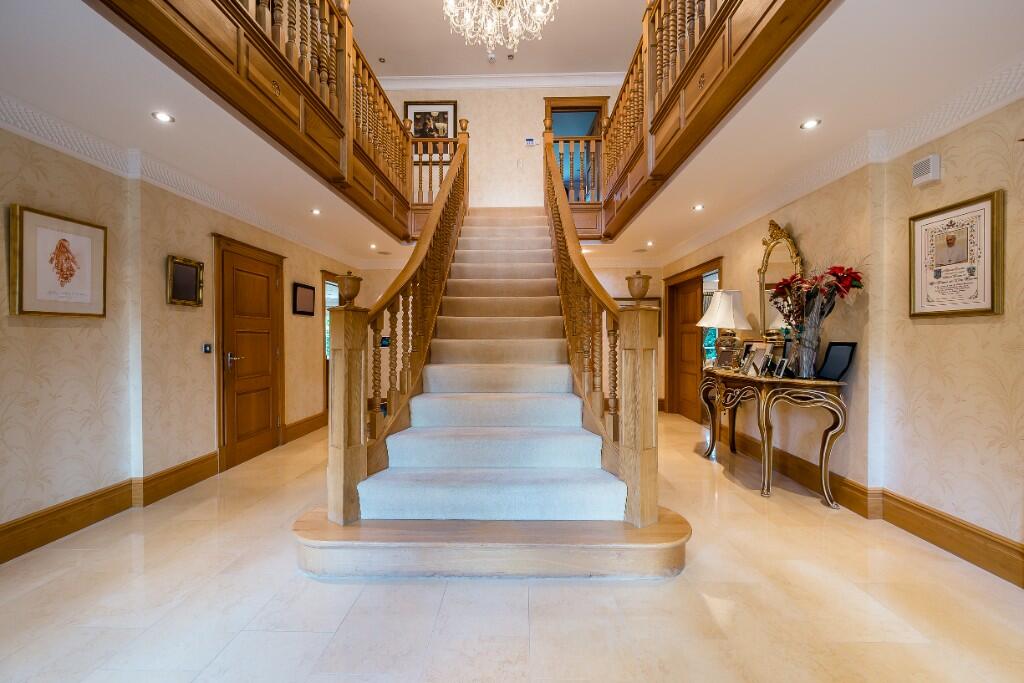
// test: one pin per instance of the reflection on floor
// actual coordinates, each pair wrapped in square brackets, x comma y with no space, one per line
[203,586]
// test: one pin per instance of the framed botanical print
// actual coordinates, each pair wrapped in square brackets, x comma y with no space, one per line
[58,265]
[956,258]
[184,281]
[433,119]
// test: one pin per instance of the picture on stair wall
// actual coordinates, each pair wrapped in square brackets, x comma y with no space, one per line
[433,119]
[956,258]
[58,265]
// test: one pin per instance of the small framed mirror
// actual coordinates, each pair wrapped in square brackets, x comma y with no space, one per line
[781,259]
[184,281]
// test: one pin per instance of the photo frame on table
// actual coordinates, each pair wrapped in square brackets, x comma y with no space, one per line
[184,281]
[303,299]
[759,351]
[837,360]
[957,258]
[746,364]
[58,265]
[780,368]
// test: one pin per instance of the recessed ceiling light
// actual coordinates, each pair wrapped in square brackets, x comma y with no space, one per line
[373,246]
[315,212]
[810,124]
[698,207]
[384,253]
[650,243]
[586,251]
[162,117]
[381,60]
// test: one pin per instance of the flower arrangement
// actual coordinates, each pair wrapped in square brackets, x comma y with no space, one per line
[805,301]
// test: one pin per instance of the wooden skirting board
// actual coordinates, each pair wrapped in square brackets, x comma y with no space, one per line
[19,536]
[1002,556]
[153,487]
[490,548]
[299,428]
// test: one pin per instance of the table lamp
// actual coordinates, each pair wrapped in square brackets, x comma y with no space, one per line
[726,313]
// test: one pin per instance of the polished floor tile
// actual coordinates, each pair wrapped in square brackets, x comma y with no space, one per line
[203,586]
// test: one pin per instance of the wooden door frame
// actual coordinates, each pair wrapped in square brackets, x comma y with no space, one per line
[671,362]
[222,243]
[325,277]
[589,102]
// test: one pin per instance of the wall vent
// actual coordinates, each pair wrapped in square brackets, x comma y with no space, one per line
[927,171]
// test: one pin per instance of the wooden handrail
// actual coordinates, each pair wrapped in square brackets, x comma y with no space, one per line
[367,400]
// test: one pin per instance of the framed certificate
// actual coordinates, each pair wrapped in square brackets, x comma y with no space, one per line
[956,258]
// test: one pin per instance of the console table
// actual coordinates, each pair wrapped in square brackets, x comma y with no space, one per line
[726,389]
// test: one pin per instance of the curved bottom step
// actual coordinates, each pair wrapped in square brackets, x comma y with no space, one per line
[492,548]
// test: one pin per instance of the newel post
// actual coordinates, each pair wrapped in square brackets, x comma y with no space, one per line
[638,408]
[347,437]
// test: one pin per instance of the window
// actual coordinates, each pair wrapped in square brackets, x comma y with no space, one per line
[709,285]
[331,298]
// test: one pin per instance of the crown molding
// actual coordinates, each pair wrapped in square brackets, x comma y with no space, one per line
[876,146]
[597,79]
[133,164]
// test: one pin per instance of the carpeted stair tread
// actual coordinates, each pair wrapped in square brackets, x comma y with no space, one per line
[507,447]
[504,231]
[508,271]
[504,306]
[496,410]
[518,243]
[498,351]
[492,493]
[503,256]
[536,378]
[492,287]
[526,327]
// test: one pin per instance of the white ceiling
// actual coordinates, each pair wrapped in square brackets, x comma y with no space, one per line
[62,58]
[904,70]
[586,36]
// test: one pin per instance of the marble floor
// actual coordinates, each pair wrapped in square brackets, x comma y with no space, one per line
[203,586]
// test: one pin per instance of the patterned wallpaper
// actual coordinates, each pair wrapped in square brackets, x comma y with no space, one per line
[936,406]
[88,403]
[502,170]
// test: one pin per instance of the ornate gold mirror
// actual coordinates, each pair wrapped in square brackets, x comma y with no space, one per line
[781,259]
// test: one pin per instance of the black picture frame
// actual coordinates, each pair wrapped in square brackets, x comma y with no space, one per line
[184,281]
[303,299]
[837,360]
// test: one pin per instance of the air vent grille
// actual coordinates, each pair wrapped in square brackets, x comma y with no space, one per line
[927,171]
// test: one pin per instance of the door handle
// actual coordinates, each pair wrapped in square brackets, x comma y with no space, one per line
[231,358]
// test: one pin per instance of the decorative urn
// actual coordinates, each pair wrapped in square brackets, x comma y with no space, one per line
[638,285]
[348,289]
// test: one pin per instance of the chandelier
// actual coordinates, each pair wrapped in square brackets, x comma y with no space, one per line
[499,22]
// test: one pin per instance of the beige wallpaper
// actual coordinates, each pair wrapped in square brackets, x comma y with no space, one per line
[502,170]
[936,406]
[64,382]
[88,403]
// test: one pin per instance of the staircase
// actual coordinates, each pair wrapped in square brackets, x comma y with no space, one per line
[497,433]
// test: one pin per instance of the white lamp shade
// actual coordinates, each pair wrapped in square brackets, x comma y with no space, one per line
[775,319]
[726,311]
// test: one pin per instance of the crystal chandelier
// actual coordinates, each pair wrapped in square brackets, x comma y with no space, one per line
[499,22]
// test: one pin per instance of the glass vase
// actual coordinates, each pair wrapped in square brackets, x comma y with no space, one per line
[807,344]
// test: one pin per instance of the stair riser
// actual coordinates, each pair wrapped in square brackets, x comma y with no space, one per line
[540,379]
[506,243]
[492,232]
[506,351]
[501,306]
[409,449]
[448,410]
[503,256]
[502,271]
[504,288]
[499,328]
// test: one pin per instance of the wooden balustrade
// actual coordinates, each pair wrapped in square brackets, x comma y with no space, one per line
[625,128]
[377,128]
[431,160]
[368,400]
[579,162]
[676,28]
[626,423]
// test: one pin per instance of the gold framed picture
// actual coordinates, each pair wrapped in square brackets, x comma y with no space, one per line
[956,258]
[58,265]
[184,281]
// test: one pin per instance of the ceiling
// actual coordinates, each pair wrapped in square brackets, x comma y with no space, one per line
[904,71]
[110,93]
[586,36]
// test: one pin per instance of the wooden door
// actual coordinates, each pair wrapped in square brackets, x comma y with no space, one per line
[686,342]
[251,318]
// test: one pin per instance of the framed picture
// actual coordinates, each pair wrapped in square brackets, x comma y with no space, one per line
[956,258]
[184,281]
[646,301]
[433,119]
[58,265]
[780,368]
[838,358]
[303,299]
[746,364]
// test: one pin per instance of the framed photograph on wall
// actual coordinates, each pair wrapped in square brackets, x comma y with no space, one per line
[184,281]
[58,265]
[433,119]
[956,258]
[303,299]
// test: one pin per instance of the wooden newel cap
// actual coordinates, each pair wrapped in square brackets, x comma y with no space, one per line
[348,289]
[464,125]
[407,123]
[548,123]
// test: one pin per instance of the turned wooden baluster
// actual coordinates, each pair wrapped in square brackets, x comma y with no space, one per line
[263,15]
[393,352]
[680,33]
[406,340]
[290,47]
[325,44]
[690,24]
[303,38]
[702,19]
[612,420]
[314,44]
[376,419]
[277,23]
[597,352]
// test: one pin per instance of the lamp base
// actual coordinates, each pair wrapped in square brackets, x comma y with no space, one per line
[727,348]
